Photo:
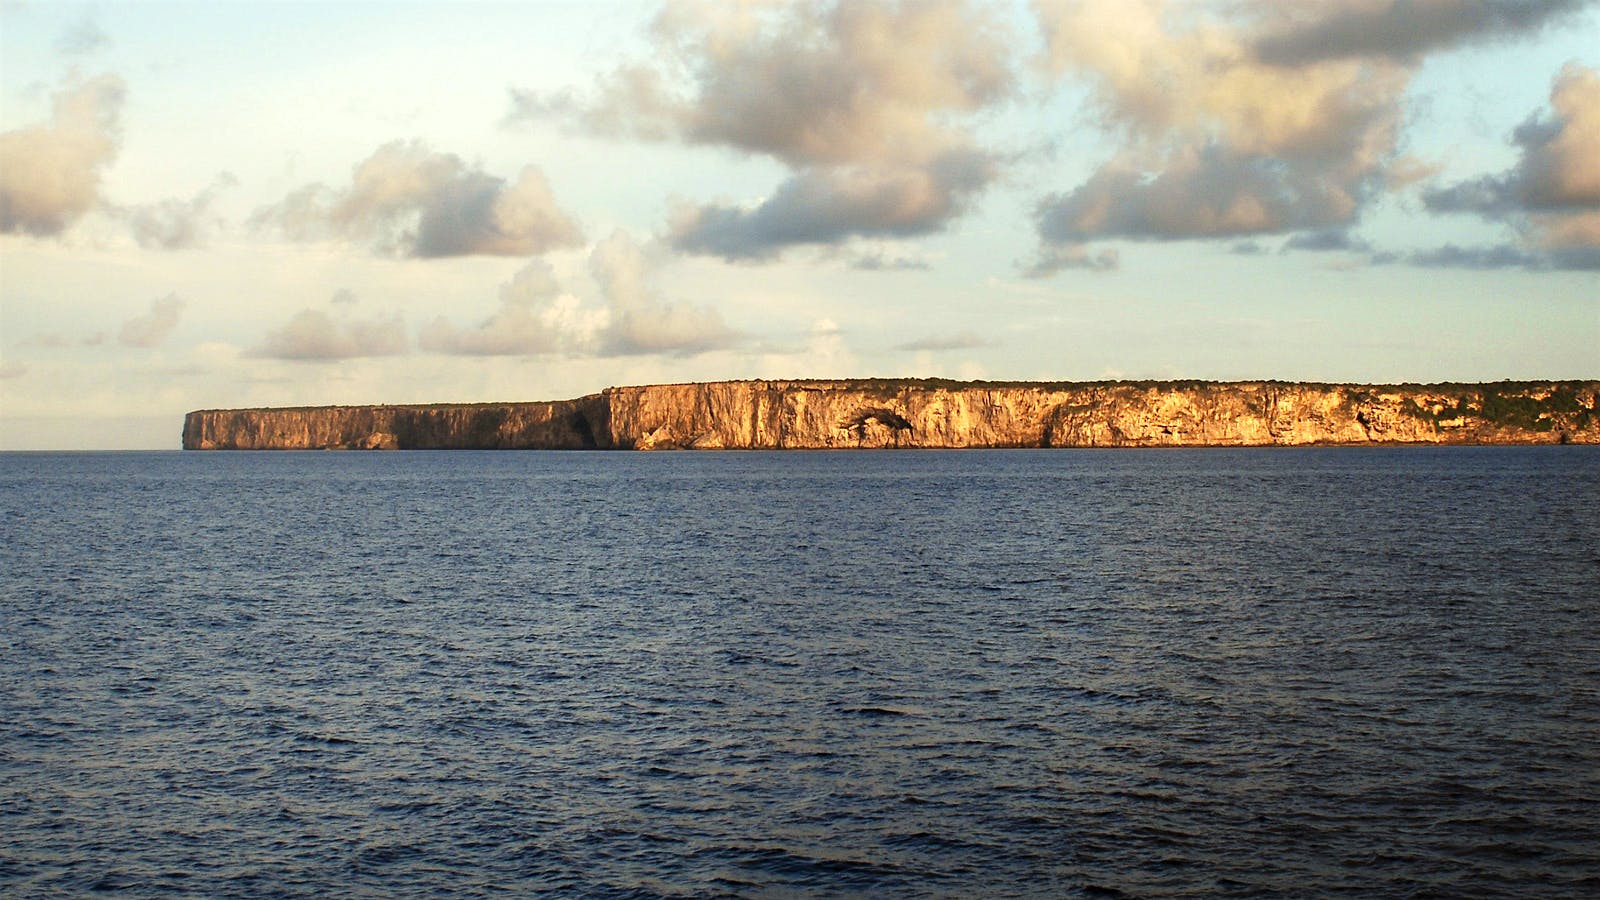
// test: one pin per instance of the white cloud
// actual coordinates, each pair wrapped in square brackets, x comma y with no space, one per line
[153,327]
[536,318]
[641,321]
[314,335]
[50,173]
[533,318]
[826,355]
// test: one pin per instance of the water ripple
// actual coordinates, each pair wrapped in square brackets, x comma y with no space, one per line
[909,674]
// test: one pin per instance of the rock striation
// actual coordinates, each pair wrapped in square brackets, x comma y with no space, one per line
[886,413]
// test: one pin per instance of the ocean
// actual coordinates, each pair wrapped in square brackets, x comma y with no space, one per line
[1290,672]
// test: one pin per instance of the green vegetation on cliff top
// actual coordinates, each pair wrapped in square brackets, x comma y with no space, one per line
[1508,403]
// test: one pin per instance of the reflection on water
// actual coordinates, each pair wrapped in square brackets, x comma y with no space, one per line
[1002,672]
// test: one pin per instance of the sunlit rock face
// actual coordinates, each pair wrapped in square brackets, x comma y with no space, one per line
[888,413]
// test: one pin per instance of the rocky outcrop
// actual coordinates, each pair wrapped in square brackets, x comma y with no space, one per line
[881,413]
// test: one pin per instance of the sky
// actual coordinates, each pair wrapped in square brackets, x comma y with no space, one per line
[243,204]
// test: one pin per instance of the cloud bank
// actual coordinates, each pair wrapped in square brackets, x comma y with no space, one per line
[407,200]
[1251,118]
[866,102]
[1230,120]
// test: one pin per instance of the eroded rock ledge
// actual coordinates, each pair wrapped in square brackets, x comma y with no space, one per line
[880,413]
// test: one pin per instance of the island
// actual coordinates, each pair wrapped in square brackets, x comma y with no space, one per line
[935,413]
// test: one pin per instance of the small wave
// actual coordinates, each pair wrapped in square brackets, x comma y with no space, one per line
[874,711]
[329,740]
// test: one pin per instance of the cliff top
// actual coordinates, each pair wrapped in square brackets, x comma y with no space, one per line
[930,384]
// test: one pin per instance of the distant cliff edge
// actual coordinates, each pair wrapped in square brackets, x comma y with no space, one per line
[880,413]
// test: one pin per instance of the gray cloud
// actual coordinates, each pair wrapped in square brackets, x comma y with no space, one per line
[830,206]
[1251,117]
[1552,194]
[1059,257]
[962,340]
[809,83]
[313,335]
[410,201]
[50,173]
[1498,256]
[1216,143]
[1557,170]
[169,224]
[1398,29]
[866,102]
[1451,256]
[150,329]
[1490,195]
[1326,241]
[879,261]
[1201,193]
[1577,257]
[176,224]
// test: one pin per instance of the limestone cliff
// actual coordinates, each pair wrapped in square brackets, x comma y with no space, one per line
[879,413]
[558,425]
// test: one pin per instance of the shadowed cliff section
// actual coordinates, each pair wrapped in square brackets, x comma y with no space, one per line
[931,413]
[558,425]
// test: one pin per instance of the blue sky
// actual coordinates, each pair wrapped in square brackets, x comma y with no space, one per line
[248,204]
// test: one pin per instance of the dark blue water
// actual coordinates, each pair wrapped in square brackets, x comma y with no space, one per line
[1296,672]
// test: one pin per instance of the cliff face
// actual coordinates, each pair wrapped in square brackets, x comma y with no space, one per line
[561,425]
[891,413]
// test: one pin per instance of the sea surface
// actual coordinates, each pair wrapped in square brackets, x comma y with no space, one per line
[1296,672]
